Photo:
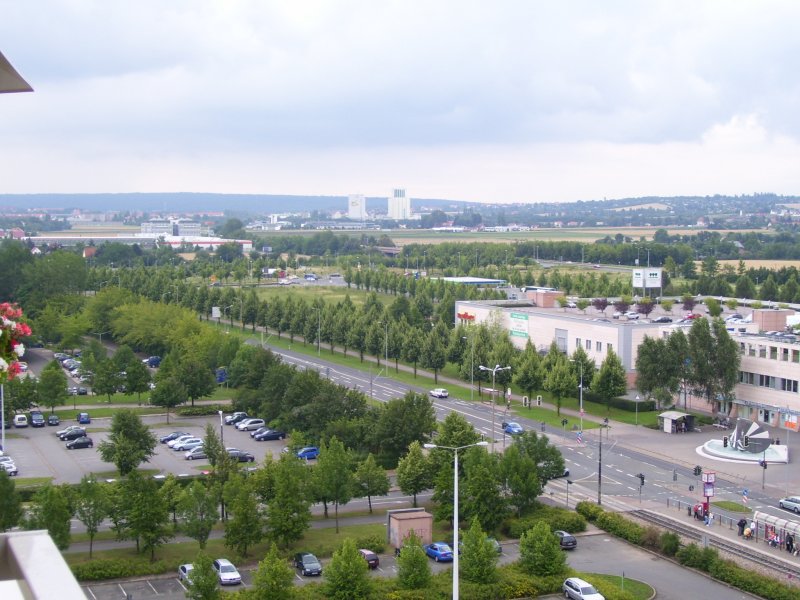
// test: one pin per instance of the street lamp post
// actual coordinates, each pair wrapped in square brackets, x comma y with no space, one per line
[569,483]
[493,371]
[637,410]
[471,368]
[221,429]
[455,507]
[319,329]
[580,389]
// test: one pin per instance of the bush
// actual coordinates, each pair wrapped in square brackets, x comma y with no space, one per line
[651,538]
[201,411]
[621,527]
[589,510]
[376,543]
[113,568]
[670,543]
[557,519]
[696,557]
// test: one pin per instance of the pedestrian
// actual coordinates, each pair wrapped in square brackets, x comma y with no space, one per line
[753,528]
[706,519]
[789,542]
[741,525]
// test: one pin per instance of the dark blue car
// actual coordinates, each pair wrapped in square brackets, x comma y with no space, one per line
[83,418]
[439,551]
[512,428]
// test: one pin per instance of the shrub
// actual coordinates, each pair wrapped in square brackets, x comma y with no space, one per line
[113,568]
[669,544]
[651,537]
[621,527]
[589,510]
[201,410]
[376,543]
[696,557]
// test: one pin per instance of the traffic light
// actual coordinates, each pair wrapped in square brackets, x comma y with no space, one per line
[762,464]
[564,422]
[746,441]
[725,442]
[641,478]
[698,470]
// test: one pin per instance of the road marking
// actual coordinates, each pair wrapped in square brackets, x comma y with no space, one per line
[124,593]
[180,583]
[152,588]
[88,589]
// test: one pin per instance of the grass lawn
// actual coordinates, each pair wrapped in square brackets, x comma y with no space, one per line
[731,506]
[27,482]
[329,294]
[114,474]
[637,589]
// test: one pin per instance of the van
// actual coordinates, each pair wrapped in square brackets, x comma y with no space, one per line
[20,421]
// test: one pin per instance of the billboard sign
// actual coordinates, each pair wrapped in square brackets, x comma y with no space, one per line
[648,278]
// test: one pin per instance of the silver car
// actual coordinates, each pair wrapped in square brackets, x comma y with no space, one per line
[791,503]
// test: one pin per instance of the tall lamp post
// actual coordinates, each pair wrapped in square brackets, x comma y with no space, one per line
[455,506]
[319,329]
[637,409]
[493,371]
[580,389]
[221,429]
[471,368]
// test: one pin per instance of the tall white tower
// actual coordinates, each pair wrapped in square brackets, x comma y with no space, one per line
[399,206]
[357,207]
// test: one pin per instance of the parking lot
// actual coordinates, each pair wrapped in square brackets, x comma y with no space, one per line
[39,453]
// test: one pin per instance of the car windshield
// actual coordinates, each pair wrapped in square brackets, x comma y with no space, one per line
[227,569]
[310,560]
[589,589]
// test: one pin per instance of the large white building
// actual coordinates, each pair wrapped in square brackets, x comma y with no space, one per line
[768,388]
[399,206]
[357,207]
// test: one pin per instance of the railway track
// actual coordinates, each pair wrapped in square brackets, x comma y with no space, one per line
[751,554]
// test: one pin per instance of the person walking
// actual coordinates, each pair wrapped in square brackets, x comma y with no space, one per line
[741,525]
[789,543]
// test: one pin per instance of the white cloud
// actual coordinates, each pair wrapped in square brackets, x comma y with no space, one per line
[471,100]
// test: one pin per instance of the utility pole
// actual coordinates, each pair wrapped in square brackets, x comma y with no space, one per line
[600,473]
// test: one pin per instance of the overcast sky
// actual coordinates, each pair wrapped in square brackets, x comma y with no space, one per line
[504,101]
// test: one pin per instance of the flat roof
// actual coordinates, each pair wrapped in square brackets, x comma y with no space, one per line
[473,280]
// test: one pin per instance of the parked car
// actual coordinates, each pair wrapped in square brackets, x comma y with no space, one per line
[576,588]
[37,419]
[10,468]
[81,442]
[77,391]
[240,455]
[180,438]
[196,453]
[791,503]
[188,444]
[269,434]
[227,573]
[439,551]
[495,544]
[632,315]
[567,540]
[308,453]
[152,361]
[235,418]
[66,430]
[513,428]
[617,314]
[662,319]
[250,424]
[53,420]
[73,434]
[20,421]
[171,436]
[372,559]
[307,564]
[185,572]
[83,418]
[439,393]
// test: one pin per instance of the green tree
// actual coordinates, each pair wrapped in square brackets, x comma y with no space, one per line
[274,578]
[203,584]
[212,445]
[130,442]
[196,377]
[346,576]
[412,347]
[559,381]
[414,472]
[52,388]
[137,380]
[434,355]
[414,570]
[529,374]
[333,475]
[714,307]
[288,511]
[198,511]
[402,421]
[745,288]
[106,379]
[51,510]
[657,369]
[246,527]
[483,494]
[171,492]
[540,552]
[10,503]
[147,513]
[520,475]
[91,506]
[169,393]
[479,557]
[610,380]
[371,480]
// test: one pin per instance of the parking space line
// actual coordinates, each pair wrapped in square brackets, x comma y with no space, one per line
[152,588]
[124,593]
[180,583]
[88,589]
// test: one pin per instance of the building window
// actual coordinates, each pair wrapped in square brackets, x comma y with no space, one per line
[765,381]
[588,344]
[751,350]
[609,347]
[577,342]
[785,354]
[598,346]
[773,352]
[789,385]
[762,351]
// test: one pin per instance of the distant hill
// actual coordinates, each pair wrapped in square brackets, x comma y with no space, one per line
[193,202]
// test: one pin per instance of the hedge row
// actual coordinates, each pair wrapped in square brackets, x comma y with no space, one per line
[202,410]
[620,403]
[113,568]
[556,518]
[703,559]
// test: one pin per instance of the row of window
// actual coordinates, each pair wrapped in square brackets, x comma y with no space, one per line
[598,346]
[768,381]
[771,352]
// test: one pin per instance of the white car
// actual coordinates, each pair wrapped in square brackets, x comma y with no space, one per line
[632,315]
[578,589]
[439,393]
[9,468]
[188,444]
[227,573]
[250,424]
[185,572]
[177,440]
